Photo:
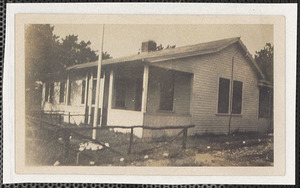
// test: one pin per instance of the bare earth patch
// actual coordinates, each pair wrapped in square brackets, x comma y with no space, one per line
[45,147]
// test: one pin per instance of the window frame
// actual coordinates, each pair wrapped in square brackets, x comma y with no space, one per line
[230,100]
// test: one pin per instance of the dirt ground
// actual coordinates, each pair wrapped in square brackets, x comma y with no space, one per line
[46,147]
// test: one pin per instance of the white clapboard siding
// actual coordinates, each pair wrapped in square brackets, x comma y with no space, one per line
[207,69]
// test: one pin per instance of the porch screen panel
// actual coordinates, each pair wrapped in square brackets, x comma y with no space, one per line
[223,99]
[237,97]
[46,92]
[167,91]
[83,91]
[52,92]
[94,91]
[62,92]
[70,92]
[120,92]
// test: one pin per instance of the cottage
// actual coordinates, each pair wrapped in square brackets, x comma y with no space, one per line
[211,85]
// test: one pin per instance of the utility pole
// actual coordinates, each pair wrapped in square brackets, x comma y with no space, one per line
[231,93]
[231,96]
[95,124]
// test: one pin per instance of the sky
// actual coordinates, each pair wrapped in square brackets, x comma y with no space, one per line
[125,40]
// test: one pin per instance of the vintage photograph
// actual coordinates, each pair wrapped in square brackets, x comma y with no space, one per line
[159,95]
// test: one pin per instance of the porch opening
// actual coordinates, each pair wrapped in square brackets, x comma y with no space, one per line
[169,91]
[128,88]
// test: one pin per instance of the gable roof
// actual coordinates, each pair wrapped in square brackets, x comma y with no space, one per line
[174,53]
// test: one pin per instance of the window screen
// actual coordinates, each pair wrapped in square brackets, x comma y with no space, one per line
[223,100]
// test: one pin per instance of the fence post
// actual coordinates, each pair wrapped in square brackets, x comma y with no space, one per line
[130,142]
[69,118]
[184,138]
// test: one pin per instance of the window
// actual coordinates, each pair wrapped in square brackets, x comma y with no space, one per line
[265,100]
[223,100]
[83,92]
[52,92]
[167,92]
[47,92]
[120,93]
[224,96]
[62,92]
[237,97]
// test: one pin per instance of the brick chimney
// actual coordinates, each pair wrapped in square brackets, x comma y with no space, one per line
[148,46]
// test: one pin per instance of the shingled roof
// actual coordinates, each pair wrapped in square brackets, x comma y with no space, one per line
[174,53]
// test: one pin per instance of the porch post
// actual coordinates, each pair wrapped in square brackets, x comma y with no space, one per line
[90,97]
[68,88]
[111,82]
[145,88]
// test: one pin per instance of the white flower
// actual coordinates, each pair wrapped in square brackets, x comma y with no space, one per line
[146,157]
[122,159]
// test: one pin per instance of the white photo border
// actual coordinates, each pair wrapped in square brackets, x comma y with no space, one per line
[287,10]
